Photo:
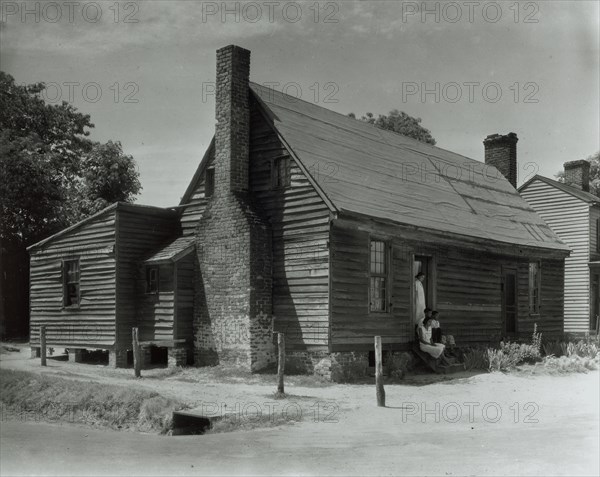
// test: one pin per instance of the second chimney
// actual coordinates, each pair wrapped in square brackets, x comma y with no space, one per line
[501,152]
[577,174]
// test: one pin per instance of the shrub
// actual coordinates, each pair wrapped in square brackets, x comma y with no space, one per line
[348,367]
[512,354]
[568,364]
[399,364]
[476,358]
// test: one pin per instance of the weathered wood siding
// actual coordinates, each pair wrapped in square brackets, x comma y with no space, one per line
[185,298]
[197,202]
[300,224]
[155,312]
[570,219]
[92,324]
[139,232]
[467,289]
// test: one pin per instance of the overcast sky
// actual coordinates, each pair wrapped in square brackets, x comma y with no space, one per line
[144,70]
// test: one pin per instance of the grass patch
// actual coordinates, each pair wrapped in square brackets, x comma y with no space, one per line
[30,396]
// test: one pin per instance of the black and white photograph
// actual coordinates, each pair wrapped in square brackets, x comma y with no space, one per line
[280,238]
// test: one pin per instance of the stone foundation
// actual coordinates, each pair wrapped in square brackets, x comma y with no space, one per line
[76,355]
[177,357]
[342,366]
[117,359]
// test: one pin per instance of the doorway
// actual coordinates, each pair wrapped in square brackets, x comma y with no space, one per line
[509,299]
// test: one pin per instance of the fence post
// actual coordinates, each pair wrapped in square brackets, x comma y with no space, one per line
[379,373]
[281,363]
[137,355]
[43,344]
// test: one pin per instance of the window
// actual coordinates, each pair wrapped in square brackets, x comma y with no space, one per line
[378,289]
[71,283]
[209,188]
[152,279]
[280,172]
[534,287]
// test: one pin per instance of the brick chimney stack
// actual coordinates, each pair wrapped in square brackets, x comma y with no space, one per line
[501,152]
[233,120]
[233,302]
[577,174]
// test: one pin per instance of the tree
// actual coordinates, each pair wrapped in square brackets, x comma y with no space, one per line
[51,173]
[400,122]
[594,161]
[51,176]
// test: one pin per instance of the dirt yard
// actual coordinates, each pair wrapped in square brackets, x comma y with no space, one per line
[471,424]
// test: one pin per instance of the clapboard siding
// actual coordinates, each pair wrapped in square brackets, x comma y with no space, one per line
[467,289]
[300,226]
[92,324]
[156,310]
[185,298]
[138,235]
[569,217]
[196,203]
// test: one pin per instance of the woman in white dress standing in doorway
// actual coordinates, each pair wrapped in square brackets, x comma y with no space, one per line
[419,298]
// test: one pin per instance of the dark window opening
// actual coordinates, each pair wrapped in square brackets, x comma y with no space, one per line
[534,287]
[209,188]
[71,278]
[152,279]
[378,286]
[280,172]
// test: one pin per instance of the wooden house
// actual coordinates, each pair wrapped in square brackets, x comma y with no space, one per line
[573,213]
[309,222]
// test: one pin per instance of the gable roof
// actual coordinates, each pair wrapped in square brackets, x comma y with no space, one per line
[368,171]
[136,208]
[569,189]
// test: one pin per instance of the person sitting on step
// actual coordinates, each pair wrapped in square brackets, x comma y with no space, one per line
[435,350]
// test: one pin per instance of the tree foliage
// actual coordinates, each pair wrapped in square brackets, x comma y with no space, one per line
[400,122]
[594,161]
[51,173]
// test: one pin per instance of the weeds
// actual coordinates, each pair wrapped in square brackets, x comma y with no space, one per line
[30,396]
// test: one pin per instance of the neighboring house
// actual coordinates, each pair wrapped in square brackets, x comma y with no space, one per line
[308,222]
[574,215]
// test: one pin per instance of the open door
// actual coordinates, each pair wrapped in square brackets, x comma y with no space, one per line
[509,299]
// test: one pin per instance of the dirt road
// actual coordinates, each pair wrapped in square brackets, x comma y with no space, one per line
[486,424]
[401,439]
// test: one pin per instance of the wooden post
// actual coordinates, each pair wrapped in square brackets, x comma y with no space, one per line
[281,363]
[43,344]
[379,373]
[137,354]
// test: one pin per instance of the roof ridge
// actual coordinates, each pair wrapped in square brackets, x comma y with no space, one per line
[378,129]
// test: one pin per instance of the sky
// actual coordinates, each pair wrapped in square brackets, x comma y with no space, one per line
[144,71]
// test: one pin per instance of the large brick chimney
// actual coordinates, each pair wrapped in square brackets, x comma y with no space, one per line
[233,241]
[577,174]
[501,152]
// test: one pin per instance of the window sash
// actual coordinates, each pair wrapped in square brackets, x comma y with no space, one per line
[378,276]
[71,282]
[534,287]
[209,187]
[152,279]
[280,172]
